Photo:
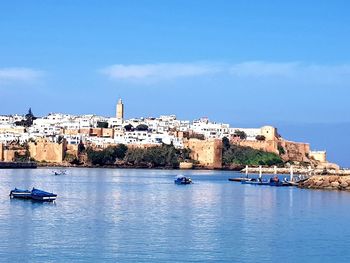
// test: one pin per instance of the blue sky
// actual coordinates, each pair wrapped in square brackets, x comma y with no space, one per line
[242,62]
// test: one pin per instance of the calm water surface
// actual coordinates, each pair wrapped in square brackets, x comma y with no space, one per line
[113,215]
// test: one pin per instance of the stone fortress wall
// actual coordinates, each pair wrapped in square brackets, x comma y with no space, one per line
[44,150]
[293,151]
[207,152]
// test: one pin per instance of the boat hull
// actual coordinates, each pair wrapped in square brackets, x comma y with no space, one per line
[44,198]
[40,195]
[183,180]
[35,194]
[255,182]
[279,184]
[22,194]
[239,179]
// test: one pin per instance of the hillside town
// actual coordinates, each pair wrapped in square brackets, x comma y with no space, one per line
[52,138]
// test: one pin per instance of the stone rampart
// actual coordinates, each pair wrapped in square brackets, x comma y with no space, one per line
[266,146]
[51,152]
[295,151]
[207,152]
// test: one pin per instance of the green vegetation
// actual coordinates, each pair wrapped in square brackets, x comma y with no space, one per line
[281,150]
[81,147]
[22,158]
[234,154]
[69,157]
[106,156]
[241,134]
[163,156]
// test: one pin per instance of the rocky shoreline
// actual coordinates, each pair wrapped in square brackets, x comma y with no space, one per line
[297,170]
[327,182]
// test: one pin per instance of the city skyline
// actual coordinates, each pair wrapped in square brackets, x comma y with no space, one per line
[283,64]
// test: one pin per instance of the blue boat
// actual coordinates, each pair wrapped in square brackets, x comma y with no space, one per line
[256,182]
[180,179]
[275,181]
[41,195]
[20,193]
[59,172]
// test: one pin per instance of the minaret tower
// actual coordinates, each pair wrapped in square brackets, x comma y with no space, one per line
[120,109]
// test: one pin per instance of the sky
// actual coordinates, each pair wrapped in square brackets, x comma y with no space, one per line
[247,63]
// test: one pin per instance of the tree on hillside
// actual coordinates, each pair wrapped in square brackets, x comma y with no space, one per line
[120,151]
[281,150]
[81,147]
[225,143]
[241,134]
[108,155]
[235,154]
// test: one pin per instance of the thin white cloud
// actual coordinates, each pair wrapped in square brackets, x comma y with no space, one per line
[10,75]
[264,69]
[160,71]
[271,72]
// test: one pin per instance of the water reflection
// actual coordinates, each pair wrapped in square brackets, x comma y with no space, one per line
[142,216]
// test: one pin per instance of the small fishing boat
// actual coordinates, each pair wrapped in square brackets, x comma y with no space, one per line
[41,195]
[275,181]
[19,193]
[180,179]
[258,181]
[59,172]
[239,179]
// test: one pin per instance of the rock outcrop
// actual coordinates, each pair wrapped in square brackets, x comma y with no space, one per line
[327,182]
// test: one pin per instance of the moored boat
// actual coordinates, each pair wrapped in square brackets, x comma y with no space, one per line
[256,182]
[180,179]
[275,181]
[41,195]
[239,179]
[59,172]
[20,193]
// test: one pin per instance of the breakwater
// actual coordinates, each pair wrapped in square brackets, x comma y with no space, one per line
[296,170]
[18,165]
[327,182]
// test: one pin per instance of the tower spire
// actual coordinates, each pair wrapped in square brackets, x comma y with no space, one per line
[120,109]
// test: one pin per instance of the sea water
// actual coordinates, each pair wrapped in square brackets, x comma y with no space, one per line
[127,215]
